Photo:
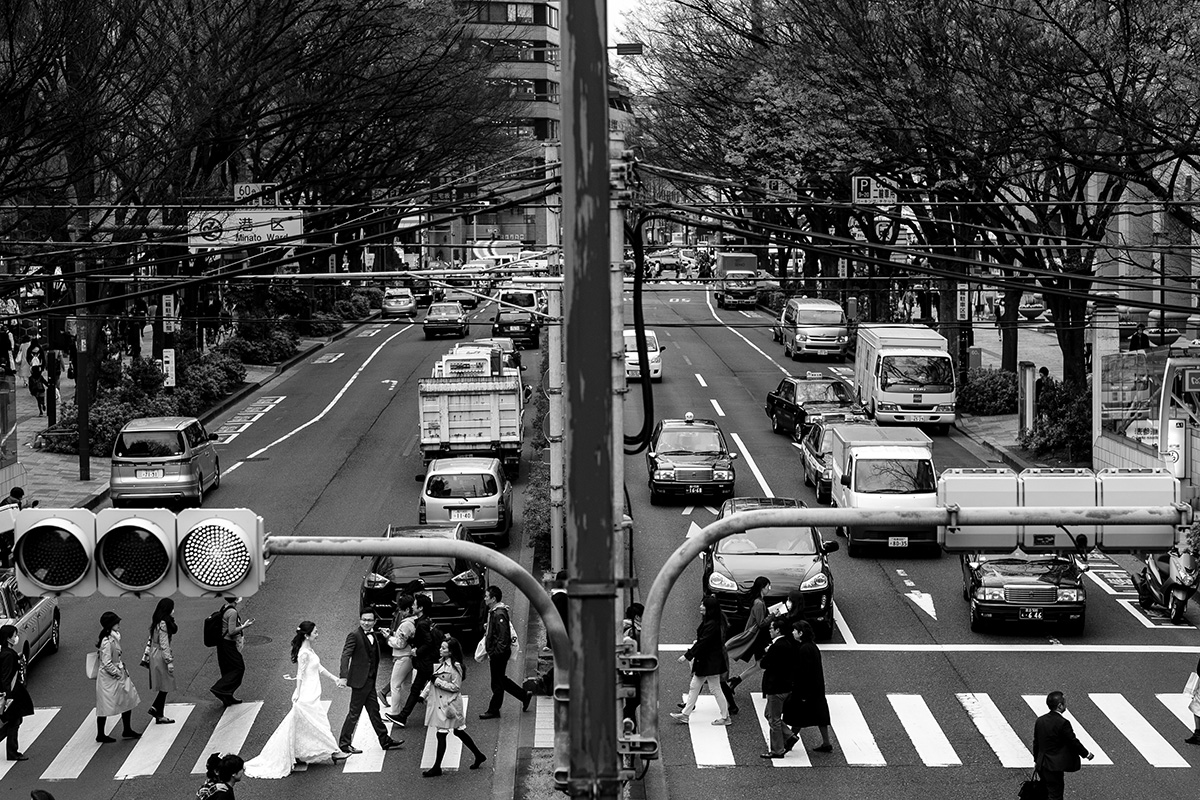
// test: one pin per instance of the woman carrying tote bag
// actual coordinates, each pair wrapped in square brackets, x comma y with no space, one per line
[115,692]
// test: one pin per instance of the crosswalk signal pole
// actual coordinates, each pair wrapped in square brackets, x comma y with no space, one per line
[587,294]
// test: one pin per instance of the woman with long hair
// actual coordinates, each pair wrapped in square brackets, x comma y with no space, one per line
[162,658]
[709,661]
[751,643]
[304,735]
[444,708]
[224,771]
[115,692]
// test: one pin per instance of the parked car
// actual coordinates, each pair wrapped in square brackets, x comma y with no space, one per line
[797,402]
[398,302]
[1025,587]
[35,618]
[689,458]
[654,353]
[163,460]
[790,558]
[473,492]
[816,449]
[456,586]
[522,327]
[446,318]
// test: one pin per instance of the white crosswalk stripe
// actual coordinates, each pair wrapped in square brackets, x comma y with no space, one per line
[857,744]
[1178,703]
[543,723]
[796,757]
[710,742]
[31,728]
[922,728]
[365,739]
[1037,703]
[1000,736]
[230,733]
[79,749]
[1153,747]
[156,740]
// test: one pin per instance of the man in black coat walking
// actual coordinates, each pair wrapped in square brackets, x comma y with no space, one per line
[779,664]
[14,698]
[1056,749]
[359,669]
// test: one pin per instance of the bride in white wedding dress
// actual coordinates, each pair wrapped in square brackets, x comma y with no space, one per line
[304,735]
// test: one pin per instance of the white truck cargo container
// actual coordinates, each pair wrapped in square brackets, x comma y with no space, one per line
[472,415]
[904,374]
[884,468]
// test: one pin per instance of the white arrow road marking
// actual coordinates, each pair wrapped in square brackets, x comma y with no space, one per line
[693,530]
[923,600]
[391,388]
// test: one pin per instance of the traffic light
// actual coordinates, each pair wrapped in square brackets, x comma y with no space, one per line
[155,552]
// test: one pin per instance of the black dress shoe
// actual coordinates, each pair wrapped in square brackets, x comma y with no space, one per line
[790,743]
[771,755]
[395,719]
[432,772]
[351,749]
[391,744]
[105,739]
[232,701]
[528,699]
[18,757]
[490,715]
[479,759]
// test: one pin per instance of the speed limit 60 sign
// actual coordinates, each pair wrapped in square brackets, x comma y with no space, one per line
[256,194]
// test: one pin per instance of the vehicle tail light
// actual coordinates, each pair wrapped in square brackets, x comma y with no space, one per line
[468,578]
[375,581]
[421,512]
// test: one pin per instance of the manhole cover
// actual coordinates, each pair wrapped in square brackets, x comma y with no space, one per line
[254,639]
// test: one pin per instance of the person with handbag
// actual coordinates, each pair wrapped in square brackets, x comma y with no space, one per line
[15,702]
[750,645]
[115,692]
[425,642]
[709,661]
[444,707]
[1056,749]
[159,658]
[404,626]
[229,652]
[498,645]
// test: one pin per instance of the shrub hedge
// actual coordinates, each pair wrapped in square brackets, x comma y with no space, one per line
[987,392]
[1064,422]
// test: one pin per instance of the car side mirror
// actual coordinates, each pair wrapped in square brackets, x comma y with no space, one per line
[523,368]
[733,456]
[212,437]
[830,547]
[420,479]
[662,348]
[845,481]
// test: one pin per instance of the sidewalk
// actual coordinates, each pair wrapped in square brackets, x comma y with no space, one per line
[53,479]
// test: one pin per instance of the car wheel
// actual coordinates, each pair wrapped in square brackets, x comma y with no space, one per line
[807,481]
[795,353]
[55,633]
[776,423]
[217,480]
[428,335]
[976,620]
[655,497]
[1075,627]
[199,491]
[1176,609]
[943,429]
[787,351]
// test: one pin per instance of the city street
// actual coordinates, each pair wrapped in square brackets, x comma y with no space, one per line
[328,448]
[922,707]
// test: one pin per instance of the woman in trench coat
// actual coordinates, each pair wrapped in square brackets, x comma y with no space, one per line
[115,692]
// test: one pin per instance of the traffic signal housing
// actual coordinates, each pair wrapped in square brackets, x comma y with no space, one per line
[155,552]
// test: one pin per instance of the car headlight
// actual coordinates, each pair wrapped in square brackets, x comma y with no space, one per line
[843,339]
[1070,595]
[947,407]
[888,407]
[467,578]
[800,336]
[722,474]
[827,474]
[818,581]
[375,581]
[664,474]
[990,593]
[722,582]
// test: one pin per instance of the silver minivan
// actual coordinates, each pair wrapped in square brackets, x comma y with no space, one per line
[468,491]
[163,460]
[814,326]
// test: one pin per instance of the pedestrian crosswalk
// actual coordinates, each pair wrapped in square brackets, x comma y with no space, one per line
[869,733]
[79,756]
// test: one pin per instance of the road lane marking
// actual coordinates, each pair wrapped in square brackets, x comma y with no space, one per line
[796,757]
[1000,736]
[365,739]
[543,722]
[853,735]
[923,600]
[1113,649]
[927,736]
[701,380]
[840,621]
[1141,615]
[336,398]
[1134,727]
[758,476]
[1177,703]
[453,756]
[710,743]
[230,734]
[753,346]
[156,740]
[31,727]
[717,407]
[79,749]
[1037,704]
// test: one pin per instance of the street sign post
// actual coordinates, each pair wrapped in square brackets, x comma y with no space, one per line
[168,367]
[964,302]
[869,191]
[256,194]
[246,226]
[168,313]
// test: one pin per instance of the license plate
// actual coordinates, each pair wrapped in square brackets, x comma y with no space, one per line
[916,398]
[1030,613]
[462,515]
[635,373]
[919,417]
[149,473]
[897,541]
[694,489]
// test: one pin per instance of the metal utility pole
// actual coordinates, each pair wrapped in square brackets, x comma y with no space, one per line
[554,388]
[587,293]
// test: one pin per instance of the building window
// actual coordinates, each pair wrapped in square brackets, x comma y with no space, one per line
[521,13]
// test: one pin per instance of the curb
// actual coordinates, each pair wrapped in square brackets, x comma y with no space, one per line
[96,498]
[1006,455]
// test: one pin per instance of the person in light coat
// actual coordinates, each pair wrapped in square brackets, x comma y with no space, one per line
[444,711]
[115,692]
[162,658]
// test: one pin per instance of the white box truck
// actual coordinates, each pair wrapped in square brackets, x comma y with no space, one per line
[884,468]
[904,374]
[736,276]
[473,407]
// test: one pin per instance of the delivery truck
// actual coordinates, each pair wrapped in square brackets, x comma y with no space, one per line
[884,468]
[736,276]
[904,374]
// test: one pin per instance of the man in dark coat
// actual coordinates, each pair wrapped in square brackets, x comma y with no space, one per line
[1056,749]
[498,645]
[359,669]
[779,664]
[14,698]
[807,706]
[425,642]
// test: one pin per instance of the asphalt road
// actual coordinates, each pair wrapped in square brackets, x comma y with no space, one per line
[327,448]
[922,707]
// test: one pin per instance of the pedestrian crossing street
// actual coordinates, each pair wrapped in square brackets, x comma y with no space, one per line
[159,747]
[1128,730]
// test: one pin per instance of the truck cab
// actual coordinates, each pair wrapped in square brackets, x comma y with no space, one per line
[736,277]
[904,374]
[884,468]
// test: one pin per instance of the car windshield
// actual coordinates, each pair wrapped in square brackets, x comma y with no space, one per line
[403,570]
[396,294]
[690,441]
[832,317]
[926,373]
[453,485]
[907,476]
[631,343]
[523,299]
[832,392]
[770,542]
[149,444]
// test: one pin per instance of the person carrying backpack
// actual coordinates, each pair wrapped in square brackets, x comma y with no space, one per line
[404,627]
[229,652]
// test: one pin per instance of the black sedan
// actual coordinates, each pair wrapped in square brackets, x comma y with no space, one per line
[797,402]
[689,458]
[1025,587]
[791,558]
[444,318]
[520,326]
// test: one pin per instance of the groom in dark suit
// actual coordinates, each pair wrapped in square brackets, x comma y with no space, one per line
[360,666]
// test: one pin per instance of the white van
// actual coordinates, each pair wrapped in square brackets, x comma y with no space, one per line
[904,374]
[812,325]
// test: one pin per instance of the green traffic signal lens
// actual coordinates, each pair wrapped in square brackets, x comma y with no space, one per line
[53,557]
[133,558]
[216,555]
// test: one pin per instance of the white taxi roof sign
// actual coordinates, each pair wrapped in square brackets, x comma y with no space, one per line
[812,375]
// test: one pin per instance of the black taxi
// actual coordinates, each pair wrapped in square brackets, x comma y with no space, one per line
[797,402]
[816,450]
[1020,587]
[689,458]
